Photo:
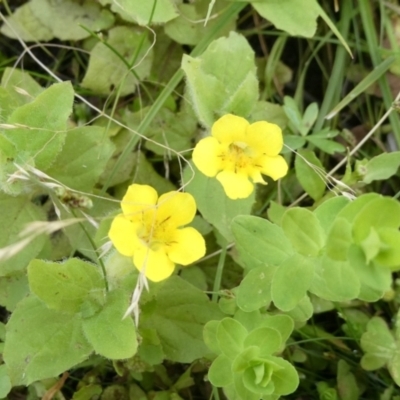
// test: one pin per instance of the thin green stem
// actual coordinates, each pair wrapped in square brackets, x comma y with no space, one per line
[215,393]
[218,275]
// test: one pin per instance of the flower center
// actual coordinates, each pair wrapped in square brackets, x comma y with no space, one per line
[239,156]
[154,234]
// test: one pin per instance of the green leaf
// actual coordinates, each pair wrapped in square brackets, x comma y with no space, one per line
[378,343]
[64,287]
[268,340]
[21,87]
[42,343]
[327,212]
[259,242]
[88,392]
[210,336]
[303,311]
[275,212]
[329,146]
[26,24]
[292,112]
[313,182]
[286,379]
[301,226]
[240,390]
[383,212]
[309,118]
[20,212]
[389,254]
[179,312]
[230,336]
[65,19]
[141,11]
[382,167]
[254,290]
[5,384]
[394,365]
[271,112]
[371,245]
[171,130]
[335,280]
[78,233]
[45,20]
[296,18]
[293,142]
[13,288]
[109,334]
[374,279]
[220,372]
[150,349]
[347,383]
[253,320]
[223,79]
[186,30]
[291,282]
[79,167]
[244,359]
[217,208]
[107,71]
[42,125]
[352,209]
[339,240]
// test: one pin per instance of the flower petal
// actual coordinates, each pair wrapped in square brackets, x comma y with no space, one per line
[187,246]
[256,176]
[138,199]
[230,128]
[157,264]
[265,138]
[236,186]
[123,234]
[175,209]
[207,156]
[275,167]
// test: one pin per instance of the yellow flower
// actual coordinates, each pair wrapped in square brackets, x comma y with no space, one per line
[149,231]
[237,151]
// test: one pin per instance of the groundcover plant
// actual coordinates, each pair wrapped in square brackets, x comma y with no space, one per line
[199,199]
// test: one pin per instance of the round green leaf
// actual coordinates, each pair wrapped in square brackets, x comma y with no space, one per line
[352,209]
[302,227]
[268,340]
[339,239]
[383,212]
[210,336]
[254,291]
[327,212]
[110,335]
[291,282]
[335,280]
[220,372]
[286,379]
[230,336]
[260,242]
[389,254]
